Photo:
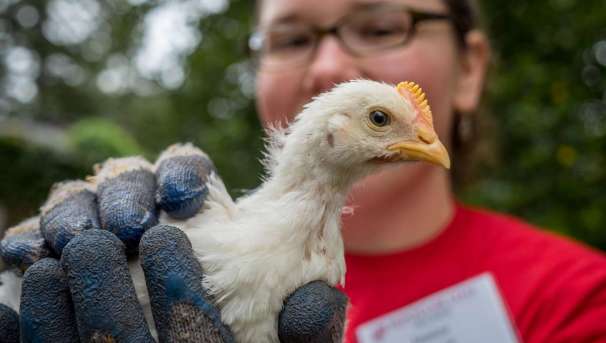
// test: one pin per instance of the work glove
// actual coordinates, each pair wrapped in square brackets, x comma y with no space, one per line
[76,283]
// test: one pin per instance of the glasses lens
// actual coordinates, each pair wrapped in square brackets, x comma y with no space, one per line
[374,30]
[285,45]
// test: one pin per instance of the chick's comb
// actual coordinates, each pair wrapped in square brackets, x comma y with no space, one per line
[418,99]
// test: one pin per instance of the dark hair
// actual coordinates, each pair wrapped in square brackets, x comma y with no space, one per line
[464,17]
[470,143]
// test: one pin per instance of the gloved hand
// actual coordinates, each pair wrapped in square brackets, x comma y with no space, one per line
[89,294]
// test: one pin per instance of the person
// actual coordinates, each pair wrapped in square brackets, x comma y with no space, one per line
[422,266]
[408,238]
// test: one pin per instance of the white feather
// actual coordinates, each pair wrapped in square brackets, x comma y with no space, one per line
[10,288]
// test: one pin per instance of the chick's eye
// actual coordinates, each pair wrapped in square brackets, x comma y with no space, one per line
[379,118]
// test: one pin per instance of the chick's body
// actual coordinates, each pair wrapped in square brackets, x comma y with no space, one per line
[257,256]
[258,250]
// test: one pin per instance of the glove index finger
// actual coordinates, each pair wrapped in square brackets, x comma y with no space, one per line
[103,294]
[182,171]
[23,244]
[125,192]
[9,325]
[182,310]
[47,313]
[70,209]
[313,313]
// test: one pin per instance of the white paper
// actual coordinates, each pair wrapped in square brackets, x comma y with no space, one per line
[469,312]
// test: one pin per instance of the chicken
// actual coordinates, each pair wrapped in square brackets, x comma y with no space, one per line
[259,249]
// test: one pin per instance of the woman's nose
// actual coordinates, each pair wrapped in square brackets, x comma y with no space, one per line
[330,65]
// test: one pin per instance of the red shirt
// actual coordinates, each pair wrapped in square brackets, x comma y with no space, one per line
[554,289]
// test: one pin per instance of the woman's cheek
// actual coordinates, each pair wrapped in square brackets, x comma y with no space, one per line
[279,97]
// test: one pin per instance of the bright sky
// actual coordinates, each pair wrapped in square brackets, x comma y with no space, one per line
[169,33]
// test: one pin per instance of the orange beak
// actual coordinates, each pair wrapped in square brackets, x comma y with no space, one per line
[426,147]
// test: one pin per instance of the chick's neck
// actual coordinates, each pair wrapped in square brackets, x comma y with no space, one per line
[303,163]
[398,209]
[304,180]
[310,194]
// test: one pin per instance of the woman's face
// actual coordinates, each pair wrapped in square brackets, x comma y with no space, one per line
[431,58]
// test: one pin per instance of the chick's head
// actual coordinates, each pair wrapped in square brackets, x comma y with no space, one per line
[370,123]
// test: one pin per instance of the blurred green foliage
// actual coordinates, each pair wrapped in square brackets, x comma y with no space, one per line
[96,138]
[547,94]
[77,87]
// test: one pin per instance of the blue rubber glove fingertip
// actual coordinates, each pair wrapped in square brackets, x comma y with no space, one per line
[182,173]
[23,244]
[70,209]
[9,325]
[174,280]
[125,194]
[46,307]
[103,293]
[314,313]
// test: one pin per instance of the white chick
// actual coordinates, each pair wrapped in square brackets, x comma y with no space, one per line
[258,250]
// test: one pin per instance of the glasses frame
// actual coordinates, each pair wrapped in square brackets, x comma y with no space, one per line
[255,40]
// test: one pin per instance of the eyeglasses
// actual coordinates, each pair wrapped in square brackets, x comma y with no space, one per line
[364,32]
